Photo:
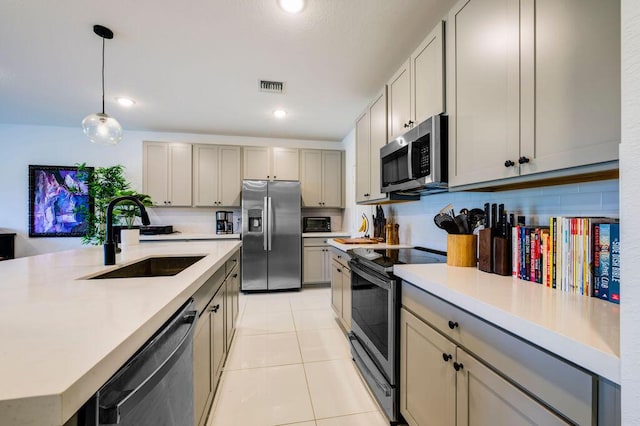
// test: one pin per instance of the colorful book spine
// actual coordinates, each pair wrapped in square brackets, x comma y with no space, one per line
[614,281]
[527,254]
[515,252]
[596,261]
[551,250]
[605,260]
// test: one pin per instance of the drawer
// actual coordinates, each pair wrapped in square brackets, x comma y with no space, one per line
[557,383]
[232,262]
[315,241]
[341,257]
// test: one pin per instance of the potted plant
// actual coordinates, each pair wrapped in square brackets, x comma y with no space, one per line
[127,212]
[104,183]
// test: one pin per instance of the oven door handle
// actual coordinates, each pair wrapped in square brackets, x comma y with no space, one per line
[357,269]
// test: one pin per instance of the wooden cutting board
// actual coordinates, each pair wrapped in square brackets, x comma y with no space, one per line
[355,241]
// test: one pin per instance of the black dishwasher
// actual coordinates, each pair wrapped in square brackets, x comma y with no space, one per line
[155,387]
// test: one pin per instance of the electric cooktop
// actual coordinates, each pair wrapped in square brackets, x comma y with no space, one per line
[383,260]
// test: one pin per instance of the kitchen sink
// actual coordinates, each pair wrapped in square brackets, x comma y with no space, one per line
[166,266]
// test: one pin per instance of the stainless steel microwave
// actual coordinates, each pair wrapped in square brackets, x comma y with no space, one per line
[316,224]
[417,161]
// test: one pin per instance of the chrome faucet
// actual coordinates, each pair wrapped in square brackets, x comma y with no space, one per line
[110,245]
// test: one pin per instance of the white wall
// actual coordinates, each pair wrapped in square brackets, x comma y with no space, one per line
[66,146]
[630,203]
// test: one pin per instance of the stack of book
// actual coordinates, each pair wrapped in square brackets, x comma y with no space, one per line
[574,254]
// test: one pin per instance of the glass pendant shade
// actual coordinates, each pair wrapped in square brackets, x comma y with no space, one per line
[102,129]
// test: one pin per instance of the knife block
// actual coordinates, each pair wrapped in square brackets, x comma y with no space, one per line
[485,250]
[502,256]
[461,249]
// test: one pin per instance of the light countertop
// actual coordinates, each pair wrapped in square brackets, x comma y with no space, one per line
[324,234]
[189,236]
[583,330]
[380,246]
[64,336]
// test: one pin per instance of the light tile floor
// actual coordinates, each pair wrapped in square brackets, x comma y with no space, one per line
[290,364]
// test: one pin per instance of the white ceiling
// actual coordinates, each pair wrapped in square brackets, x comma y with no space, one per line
[194,65]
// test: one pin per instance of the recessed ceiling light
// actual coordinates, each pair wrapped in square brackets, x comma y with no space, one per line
[279,113]
[125,102]
[291,6]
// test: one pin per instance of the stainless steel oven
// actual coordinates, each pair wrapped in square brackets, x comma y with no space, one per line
[374,333]
[375,319]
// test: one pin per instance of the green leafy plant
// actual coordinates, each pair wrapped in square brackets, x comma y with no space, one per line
[128,211]
[105,183]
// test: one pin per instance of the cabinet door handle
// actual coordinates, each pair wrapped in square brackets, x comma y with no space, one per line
[215,308]
[523,160]
[509,163]
[235,275]
[458,366]
[339,270]
[446,357]
[274,176]
[453,325]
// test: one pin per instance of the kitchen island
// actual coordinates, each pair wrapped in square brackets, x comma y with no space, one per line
[64,335]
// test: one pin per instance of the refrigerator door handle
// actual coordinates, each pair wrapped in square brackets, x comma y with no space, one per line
[270,221]
[265,231]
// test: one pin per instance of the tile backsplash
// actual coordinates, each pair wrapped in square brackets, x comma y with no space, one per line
[599,198]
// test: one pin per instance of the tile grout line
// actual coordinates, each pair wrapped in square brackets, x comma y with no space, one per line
[306,379]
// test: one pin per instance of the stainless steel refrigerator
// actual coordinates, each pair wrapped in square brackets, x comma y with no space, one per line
[271,235]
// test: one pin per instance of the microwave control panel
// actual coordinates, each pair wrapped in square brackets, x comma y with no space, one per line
[421,157]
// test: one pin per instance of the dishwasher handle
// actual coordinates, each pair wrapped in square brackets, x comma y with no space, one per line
[111,412]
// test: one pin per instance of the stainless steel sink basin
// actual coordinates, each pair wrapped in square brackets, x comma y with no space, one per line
[152,267]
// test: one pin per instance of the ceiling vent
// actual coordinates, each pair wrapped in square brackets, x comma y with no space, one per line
[271,86]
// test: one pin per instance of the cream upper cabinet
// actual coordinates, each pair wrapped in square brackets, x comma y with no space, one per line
[216,175]
[416,90]
[371,135]
[399,98]
[264,163]
[363,158]
[167,173]
[570,84]
[483,72]
[321,179]
[257,163]
[285,164]
[532,86]
[427,76]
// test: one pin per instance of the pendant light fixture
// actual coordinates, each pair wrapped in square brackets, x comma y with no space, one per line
[99,127]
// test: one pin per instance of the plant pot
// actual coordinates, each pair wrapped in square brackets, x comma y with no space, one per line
[130,237]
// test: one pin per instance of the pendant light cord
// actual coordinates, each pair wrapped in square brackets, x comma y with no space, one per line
[103,75]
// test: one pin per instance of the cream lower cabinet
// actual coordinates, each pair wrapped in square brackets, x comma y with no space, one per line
[209,351]
[444,385]
[460,369]
[217,300]
[341,287]
[203,391]
[427,377]
[217,180]
[316,261]
[485,398]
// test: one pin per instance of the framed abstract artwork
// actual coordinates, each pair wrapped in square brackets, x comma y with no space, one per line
[59,201]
